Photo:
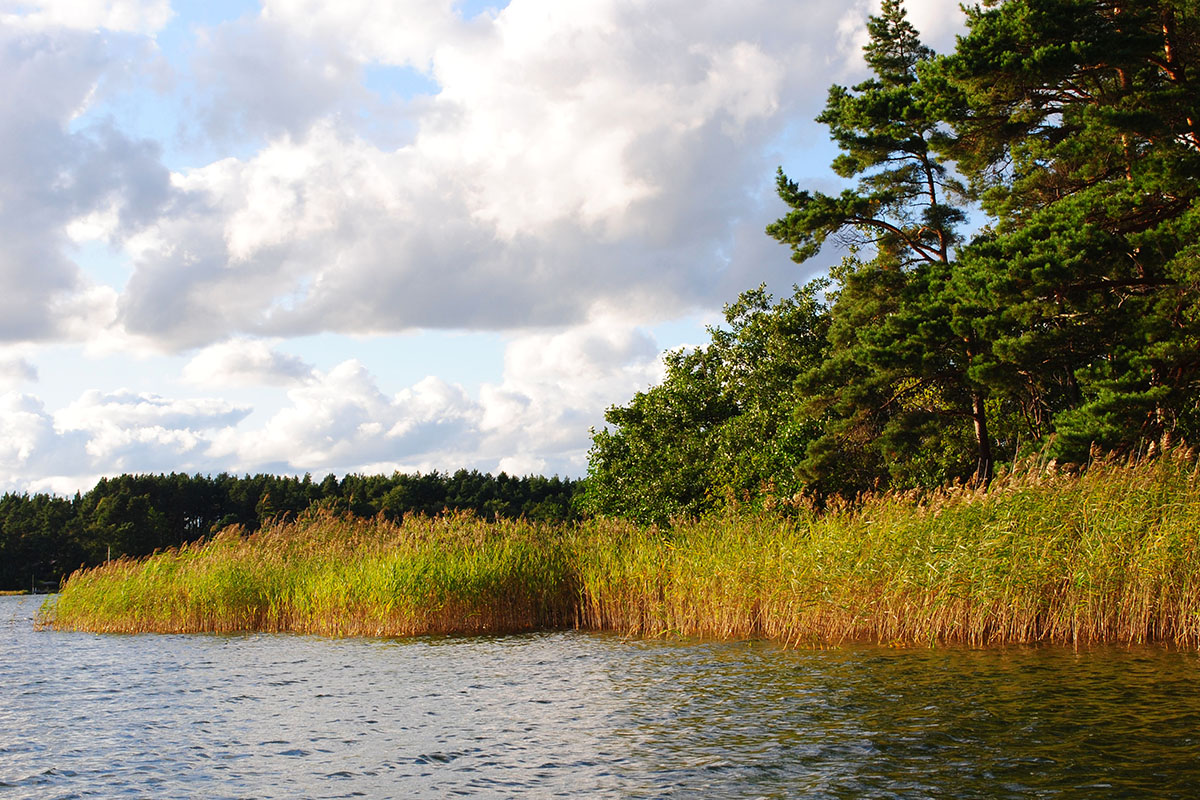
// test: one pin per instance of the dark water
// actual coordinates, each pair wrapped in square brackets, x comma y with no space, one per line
[578,715]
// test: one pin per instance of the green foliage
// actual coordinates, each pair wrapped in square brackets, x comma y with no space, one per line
[1069,323]
[1077,127]
[40,540]
[888,129]
[723,425]
[337,575]
[1071,320]
[44,538]
[898,386]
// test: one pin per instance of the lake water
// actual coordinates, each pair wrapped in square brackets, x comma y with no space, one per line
[583,715]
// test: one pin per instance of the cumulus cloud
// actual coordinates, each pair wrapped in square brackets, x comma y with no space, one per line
[554,387]
[557,385]
[341,420]
[98,434]
[31,449]
[401,32]
[262,80]
[582,168]
[25,423]
[939,21]
[124,431]
[96,410]
[245,362]
[576,156]
[54,175]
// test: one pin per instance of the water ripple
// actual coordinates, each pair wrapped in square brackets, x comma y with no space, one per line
[568,715]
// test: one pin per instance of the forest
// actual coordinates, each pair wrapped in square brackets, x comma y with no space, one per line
[1019,243]
[43,538]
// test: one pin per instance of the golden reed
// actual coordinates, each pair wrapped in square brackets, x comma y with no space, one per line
[1109,555]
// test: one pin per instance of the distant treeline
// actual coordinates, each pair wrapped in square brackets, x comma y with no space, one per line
[44,537]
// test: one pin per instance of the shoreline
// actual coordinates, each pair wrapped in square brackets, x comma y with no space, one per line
[1108,557]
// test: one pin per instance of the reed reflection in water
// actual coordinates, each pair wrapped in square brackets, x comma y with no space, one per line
[570,715]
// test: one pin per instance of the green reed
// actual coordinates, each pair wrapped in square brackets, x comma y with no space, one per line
[334,576]
[1109,555]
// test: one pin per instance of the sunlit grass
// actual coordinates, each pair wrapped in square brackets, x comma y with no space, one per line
[335,576]
[1112,555]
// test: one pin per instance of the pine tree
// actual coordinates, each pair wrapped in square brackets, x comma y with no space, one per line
[899,381]
[1078,129]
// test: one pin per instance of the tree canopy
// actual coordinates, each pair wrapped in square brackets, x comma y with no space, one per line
[723,425]
[1064,319]
[1076,126]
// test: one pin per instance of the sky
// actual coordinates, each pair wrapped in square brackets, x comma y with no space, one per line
[294,236]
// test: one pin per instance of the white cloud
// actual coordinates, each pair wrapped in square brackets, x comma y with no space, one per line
[104,434]
[125,431]
[400,32]
[58,182]
[15,371]
[583,168]
[64,485]
[939,21]
[340,420]
[126,410]
[555,386]
[260,79]
[30,447]
[578,156]
[130,16]
[245,362]
[548,374]
[521,465]
[24,425]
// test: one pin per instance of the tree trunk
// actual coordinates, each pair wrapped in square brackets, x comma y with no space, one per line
[983,467]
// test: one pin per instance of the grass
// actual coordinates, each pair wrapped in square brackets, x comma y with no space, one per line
[334,576]
[1112,555]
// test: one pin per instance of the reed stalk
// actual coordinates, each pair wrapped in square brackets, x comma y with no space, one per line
[1112,555]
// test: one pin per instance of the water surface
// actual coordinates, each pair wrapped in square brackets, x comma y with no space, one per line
[572,714]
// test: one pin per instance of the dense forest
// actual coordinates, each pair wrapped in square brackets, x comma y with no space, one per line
[43,538]
[1020,266]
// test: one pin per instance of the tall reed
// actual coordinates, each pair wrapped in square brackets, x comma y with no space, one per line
[1112,555]
[1108,556]
[335,576]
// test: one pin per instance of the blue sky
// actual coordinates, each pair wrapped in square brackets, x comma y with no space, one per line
[300,236]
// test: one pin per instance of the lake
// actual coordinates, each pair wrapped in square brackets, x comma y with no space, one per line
[583,715]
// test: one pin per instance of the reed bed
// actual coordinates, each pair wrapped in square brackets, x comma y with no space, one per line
[1111,555]
[334,576]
